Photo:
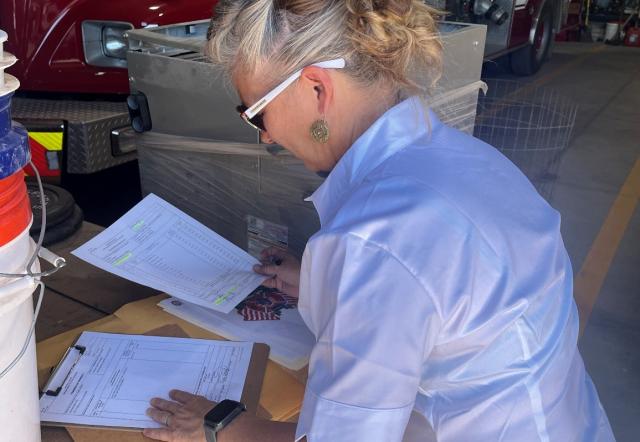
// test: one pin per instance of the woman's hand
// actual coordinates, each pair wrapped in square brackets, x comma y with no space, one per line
[282,268]
[184,422]
[183,419]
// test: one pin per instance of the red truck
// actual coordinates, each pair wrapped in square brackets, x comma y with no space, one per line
[72,65]
[73,74]
[522,29]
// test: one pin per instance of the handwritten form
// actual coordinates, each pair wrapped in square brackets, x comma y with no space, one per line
[111,383]
[157,245]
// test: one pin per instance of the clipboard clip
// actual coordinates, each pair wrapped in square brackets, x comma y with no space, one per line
[55,391]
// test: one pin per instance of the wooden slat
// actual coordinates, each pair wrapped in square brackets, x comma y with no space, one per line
[59,314]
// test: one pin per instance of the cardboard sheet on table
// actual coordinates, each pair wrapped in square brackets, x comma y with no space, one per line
[282,390]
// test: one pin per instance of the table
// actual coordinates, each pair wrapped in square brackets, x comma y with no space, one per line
[82,297]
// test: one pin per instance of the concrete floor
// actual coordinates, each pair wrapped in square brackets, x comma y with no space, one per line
[605,82]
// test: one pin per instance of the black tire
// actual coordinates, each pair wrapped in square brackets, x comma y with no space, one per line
[62,230]
[60,204]
[529,59]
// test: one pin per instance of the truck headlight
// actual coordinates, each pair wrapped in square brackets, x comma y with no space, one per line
[104,43]
[114,43]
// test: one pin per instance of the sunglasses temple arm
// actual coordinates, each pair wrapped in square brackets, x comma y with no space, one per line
[256,108]
[339,63]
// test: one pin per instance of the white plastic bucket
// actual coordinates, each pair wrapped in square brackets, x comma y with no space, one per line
[611,31]
[19,402]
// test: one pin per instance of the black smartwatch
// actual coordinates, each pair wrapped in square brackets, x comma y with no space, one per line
[220,416]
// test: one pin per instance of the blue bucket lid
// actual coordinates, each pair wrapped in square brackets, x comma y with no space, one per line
[14,141]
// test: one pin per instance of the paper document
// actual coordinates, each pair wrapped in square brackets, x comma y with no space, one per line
[289,338]
[157,245]
[108,379]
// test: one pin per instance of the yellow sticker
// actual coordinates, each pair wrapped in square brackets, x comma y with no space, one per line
[48,140]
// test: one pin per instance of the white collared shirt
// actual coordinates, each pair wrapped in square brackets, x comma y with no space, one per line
[439,283]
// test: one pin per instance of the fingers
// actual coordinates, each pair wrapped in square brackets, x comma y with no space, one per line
[160,416]
[181,396]
[158,433]
[162,404]
[281,286]
[273,251]
[290,290]
[266,269]
[272,283]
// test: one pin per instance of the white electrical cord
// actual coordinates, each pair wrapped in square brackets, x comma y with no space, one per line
[58,263]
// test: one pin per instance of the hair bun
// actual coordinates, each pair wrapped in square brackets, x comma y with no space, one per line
[400,37]
[399,7]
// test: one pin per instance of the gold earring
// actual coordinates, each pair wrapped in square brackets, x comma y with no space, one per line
[320,131]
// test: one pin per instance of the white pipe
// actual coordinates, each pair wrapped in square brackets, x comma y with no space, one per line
[3,37]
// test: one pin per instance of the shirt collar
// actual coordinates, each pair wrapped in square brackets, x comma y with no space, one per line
[393,131]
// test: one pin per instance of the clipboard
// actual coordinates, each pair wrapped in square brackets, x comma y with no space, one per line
[95,433]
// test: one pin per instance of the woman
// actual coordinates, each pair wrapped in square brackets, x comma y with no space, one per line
[438,286]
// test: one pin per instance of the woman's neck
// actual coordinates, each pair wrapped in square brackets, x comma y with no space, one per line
[357,110]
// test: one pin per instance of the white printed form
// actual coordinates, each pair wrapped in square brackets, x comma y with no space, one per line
[111,382]
[157,245]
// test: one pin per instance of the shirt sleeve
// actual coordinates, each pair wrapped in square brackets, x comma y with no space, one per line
[375,326]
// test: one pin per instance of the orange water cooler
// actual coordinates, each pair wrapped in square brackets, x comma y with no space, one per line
[19,410]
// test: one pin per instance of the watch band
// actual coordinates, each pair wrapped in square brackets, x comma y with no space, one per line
[220,416]
[209,433]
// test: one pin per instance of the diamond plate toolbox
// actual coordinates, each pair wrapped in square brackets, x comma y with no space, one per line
[88,129]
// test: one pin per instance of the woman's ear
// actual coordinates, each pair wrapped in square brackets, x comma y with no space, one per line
[318,82]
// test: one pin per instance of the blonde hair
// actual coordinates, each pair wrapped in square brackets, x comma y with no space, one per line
[390,41]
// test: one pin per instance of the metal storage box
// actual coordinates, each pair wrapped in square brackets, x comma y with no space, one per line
[203,159]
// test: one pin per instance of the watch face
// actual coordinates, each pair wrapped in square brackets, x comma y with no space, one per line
[222,411]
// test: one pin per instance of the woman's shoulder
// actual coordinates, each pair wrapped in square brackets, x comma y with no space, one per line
[436,194]
[402,211]
[470,174]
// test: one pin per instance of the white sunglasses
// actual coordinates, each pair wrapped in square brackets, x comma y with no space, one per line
[252,114]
